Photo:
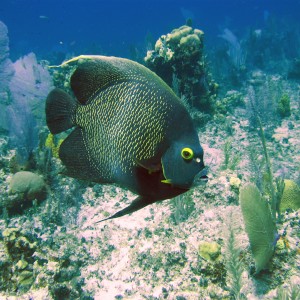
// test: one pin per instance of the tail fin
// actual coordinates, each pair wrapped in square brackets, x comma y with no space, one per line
[60,109]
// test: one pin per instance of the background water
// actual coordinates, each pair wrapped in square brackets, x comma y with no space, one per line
[116,27]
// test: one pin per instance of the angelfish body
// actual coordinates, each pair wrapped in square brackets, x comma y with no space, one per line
[130,129]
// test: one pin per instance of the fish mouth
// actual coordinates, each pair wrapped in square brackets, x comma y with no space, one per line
[201,178]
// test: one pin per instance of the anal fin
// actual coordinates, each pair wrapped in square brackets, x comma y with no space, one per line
[137,204]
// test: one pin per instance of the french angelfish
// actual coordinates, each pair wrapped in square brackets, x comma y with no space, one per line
[130,129]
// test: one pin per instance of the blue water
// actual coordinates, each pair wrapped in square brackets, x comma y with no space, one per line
[114,27]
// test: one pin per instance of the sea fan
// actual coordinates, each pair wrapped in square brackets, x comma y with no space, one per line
[235,51]
[259,224]
[31,84]
[29,88]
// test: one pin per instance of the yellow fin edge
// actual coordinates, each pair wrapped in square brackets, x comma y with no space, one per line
[167,181]
[76,58]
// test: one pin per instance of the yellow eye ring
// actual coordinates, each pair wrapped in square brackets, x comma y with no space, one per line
[187,153]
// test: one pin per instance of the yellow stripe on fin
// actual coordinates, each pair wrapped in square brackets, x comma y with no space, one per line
[74,59]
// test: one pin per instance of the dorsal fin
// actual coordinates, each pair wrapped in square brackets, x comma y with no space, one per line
[96,73]
[93,76]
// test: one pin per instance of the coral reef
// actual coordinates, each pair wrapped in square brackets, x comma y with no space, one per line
[55,249]
[17,274]
[27,262]
[178,58]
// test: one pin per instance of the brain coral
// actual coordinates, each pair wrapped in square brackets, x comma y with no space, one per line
[24,187]
[291,196]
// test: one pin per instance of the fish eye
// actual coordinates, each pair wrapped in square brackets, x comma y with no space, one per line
[187,153]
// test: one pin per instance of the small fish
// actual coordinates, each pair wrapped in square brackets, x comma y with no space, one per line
[42,17]
[130,129]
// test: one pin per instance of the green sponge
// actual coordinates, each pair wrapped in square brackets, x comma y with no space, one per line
[290,197]
[259,224]
[211,251]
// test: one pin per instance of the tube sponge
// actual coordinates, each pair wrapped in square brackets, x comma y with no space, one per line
[259,224]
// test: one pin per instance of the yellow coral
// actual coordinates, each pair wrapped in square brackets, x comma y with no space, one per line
[280,245]
[50,143]
[169,54]
[176,34]
[159,44]
[9,234]
[210,251]
[199,32]
[234,182]
[22,264]
[291,196]
[191,40]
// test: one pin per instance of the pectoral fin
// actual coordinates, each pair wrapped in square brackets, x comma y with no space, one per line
[149,165]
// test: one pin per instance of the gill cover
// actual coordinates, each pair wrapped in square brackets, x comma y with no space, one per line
[181,163]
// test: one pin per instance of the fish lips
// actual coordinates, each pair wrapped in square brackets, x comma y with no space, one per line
[200,179]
